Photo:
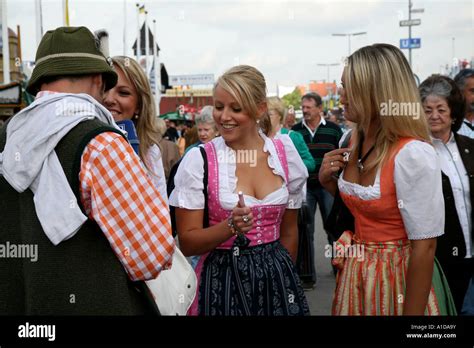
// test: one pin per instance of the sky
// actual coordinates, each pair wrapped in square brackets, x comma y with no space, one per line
[285,40]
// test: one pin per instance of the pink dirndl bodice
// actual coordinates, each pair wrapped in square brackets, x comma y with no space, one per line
[267,218]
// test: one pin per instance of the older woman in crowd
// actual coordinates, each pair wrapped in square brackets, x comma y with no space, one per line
[444,106]
[206,127]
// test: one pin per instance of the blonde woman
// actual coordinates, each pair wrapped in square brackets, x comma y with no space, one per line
[391,183]
[132,99]
[246,267]
[276,111]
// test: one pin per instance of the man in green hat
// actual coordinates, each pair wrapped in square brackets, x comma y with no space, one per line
[73,189]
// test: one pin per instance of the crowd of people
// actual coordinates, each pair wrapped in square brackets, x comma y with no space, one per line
[247,180]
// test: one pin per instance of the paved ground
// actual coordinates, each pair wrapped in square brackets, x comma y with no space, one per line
[320,299]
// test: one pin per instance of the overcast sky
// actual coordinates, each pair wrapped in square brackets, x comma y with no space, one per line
[284,39]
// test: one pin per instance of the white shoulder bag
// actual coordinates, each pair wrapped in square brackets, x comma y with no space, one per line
[175,288]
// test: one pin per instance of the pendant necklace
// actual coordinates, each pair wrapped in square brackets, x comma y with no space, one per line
[361,159]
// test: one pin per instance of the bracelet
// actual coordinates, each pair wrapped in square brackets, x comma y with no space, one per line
[230,224]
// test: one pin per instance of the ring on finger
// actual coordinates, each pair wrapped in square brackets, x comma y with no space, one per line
[245,218]
[332,164]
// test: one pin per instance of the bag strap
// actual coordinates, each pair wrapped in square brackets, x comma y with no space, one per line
[205,180]
[280,149]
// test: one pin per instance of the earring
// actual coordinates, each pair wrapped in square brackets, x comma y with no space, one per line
[135,116]
[258,121]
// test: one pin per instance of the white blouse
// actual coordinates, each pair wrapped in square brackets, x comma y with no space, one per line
[417,176]
[189,177]
[156,172]
[453,166]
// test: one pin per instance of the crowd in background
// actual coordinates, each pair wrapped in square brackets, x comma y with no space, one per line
[398,187]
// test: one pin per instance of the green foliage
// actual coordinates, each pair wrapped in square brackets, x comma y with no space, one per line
[293,99]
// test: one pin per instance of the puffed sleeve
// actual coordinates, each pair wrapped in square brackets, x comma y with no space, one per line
[297,174]
[303,150]
[188,182]
[417,176]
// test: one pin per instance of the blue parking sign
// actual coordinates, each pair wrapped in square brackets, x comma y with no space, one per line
[404,43]
[407,43]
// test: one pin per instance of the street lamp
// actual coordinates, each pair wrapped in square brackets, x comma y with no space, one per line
[349,38]
[454,52]
[329,65]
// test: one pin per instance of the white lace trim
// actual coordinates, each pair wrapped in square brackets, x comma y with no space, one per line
[365,193]
[227,192]
[275,166]
[427,235]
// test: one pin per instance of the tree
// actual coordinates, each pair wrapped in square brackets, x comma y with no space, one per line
[293,99]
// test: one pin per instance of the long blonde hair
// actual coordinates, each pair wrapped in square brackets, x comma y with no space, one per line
[147,128]
[247,86]
[379,76]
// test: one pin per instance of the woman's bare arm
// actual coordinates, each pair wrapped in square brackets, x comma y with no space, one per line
[289,232]
[419,276]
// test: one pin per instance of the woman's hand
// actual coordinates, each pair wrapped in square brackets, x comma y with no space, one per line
[242,219]
[333,161]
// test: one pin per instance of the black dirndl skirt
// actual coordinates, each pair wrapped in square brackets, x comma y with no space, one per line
[257,281]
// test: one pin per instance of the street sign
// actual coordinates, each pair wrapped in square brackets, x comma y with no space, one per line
[407,43]
[418,10]
[191,80]
[410,22]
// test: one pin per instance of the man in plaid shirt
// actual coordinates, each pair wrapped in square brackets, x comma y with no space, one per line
[86,201]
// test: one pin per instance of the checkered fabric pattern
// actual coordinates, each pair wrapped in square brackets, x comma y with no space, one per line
[117,193]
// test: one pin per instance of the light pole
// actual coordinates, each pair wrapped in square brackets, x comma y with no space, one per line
[349,38]
[454,52]
[410,23]
[328,66]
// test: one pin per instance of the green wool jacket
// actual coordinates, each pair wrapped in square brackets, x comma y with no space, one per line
[302,149]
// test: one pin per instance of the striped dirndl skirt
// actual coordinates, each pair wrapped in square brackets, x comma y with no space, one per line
[258,281]
[372,280]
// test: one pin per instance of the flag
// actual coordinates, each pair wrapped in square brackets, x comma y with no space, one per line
[38,21]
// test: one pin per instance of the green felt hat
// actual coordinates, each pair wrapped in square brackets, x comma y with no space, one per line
[70,51]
